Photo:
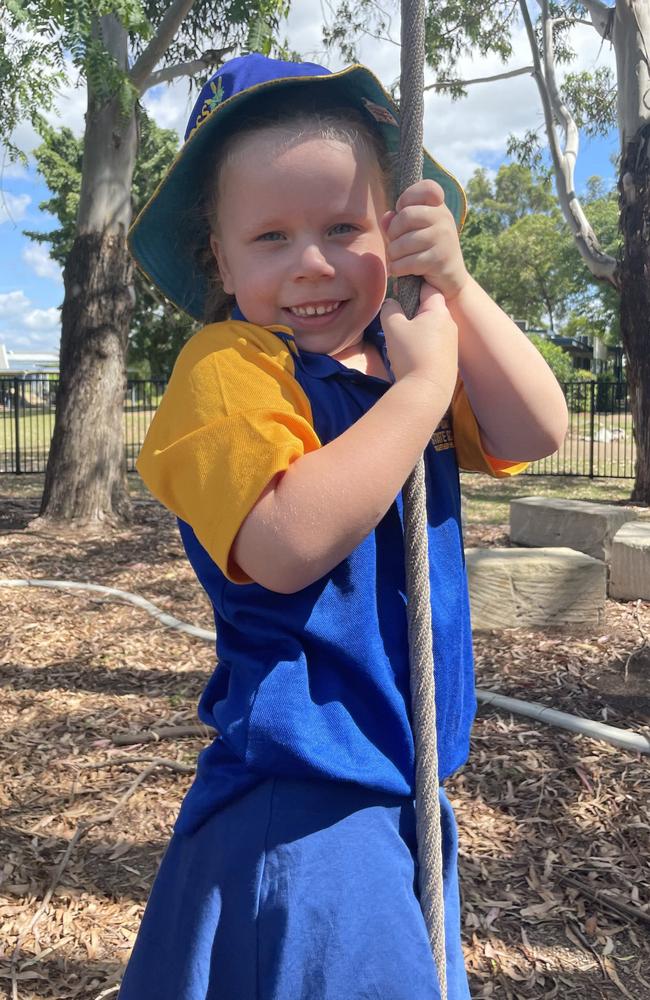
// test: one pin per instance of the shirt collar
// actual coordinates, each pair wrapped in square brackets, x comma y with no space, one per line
[322,365]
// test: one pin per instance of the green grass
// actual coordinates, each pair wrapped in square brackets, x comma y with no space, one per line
[486,501]
[615,458]
[576,457]
[35,433]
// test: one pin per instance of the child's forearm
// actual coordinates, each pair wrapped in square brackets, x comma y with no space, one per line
[326,503]
[519,406]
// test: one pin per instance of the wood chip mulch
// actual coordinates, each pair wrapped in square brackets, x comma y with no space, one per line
[554,828]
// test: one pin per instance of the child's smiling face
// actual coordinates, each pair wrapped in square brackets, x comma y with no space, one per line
[299,238]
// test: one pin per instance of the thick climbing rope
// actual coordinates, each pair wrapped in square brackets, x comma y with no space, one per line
[416,546]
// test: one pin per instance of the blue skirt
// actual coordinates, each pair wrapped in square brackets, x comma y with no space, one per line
[298,890]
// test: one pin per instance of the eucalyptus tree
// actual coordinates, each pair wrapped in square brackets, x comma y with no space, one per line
[118,49]
[590,103]
[158,329]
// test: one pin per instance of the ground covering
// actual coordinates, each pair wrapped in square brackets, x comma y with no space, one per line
[555,828]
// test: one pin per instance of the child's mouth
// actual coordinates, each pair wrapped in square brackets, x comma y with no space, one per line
[315,313]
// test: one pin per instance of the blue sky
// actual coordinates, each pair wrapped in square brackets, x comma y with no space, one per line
[463,135]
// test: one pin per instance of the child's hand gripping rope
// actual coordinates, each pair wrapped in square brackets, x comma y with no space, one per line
[423,239]
[425,347]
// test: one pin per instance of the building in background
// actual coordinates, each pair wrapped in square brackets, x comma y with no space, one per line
[27,362]
[588,353]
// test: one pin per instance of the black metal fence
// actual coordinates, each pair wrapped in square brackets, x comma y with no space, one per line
[599,442]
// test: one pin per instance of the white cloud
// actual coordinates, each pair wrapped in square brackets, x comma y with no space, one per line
[170,105]
[24,326]
[13,207]
[13,303]
[42,320]
[38,258]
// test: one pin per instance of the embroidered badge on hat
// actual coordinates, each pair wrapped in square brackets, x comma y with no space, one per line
[379,113]
[209,105]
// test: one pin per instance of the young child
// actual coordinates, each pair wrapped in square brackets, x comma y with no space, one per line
[281,444]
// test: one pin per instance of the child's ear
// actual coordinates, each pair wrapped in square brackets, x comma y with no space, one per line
[222,265]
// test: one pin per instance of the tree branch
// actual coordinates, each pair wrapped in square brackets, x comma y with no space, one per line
[144,65]
[572,21]
[602,17]
[205,62]
[599,263]
[162,733]
[444,84]
[170,73]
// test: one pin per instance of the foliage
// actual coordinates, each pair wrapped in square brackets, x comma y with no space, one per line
[558,360]
[72,34]
[461,27]
[519,248]
[598,301]
[592,99]
[517,245]
[47,38]
[452,29]
[158,330]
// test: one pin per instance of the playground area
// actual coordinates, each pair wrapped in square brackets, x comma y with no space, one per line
[554,827]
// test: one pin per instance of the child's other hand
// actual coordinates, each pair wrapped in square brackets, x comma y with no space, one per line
[426,346]
[423,239]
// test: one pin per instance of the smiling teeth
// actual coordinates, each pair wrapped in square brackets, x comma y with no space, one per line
[314,310]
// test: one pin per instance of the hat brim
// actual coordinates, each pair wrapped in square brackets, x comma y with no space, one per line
[164,237]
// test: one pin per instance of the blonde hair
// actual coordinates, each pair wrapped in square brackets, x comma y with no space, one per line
[290,126]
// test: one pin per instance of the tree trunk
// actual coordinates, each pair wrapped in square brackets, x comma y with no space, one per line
[631,37]
[86,470]
[634,187]
[85,480]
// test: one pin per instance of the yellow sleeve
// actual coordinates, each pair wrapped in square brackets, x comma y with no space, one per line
[232,417]
[469,450]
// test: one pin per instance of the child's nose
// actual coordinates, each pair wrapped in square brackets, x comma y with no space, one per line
[313,262]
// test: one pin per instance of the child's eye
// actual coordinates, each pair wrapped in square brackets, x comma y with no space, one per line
[341,228]
[270,237]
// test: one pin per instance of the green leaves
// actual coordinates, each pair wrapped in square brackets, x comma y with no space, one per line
[592,99]
[158,329]
[519,248]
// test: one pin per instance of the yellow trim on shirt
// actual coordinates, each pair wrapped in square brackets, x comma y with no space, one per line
[232,417]
[470,454]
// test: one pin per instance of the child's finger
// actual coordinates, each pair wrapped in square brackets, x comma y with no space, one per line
[425,192]
[412,241]
[414,217]
[391,312]
[431,299]
[386,220]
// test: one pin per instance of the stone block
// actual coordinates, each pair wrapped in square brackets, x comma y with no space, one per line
[587,527]
[629,572]
[534,588]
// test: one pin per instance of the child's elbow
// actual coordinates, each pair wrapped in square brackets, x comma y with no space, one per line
[559,425]
[282,572]
[550,433]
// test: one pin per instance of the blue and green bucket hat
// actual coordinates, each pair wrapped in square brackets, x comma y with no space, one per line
[166,234]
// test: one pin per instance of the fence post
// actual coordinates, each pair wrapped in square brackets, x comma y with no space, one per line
[17,423]
[592,426]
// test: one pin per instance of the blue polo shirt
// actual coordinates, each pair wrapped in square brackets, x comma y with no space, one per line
[313,684]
